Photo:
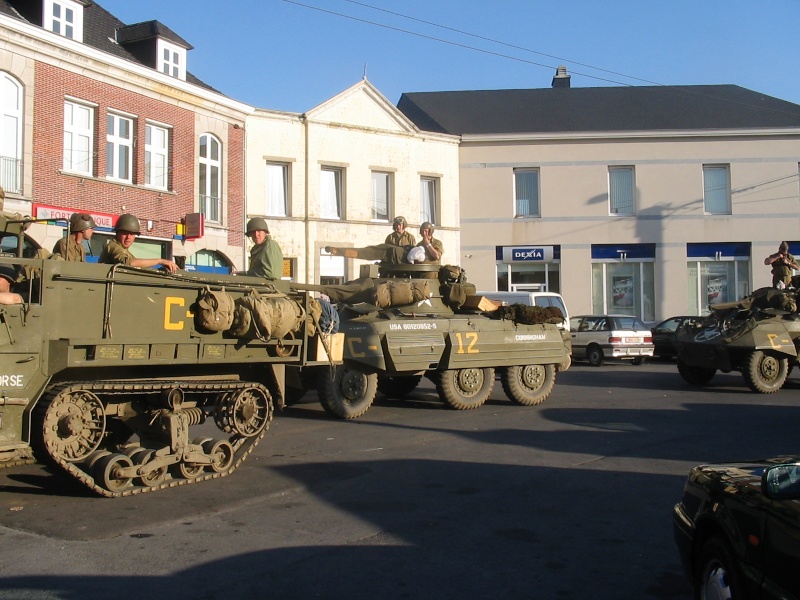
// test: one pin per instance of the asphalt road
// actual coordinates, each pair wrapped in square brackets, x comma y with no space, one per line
[570,499]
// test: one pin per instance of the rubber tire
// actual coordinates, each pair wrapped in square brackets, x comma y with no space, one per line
[594,354]
[637,361]
[398,386]
[764,373]
[465,389]
[345,392]
[695,375]
[716,566]
[528,385]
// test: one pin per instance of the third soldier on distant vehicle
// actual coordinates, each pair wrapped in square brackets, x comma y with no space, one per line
[81,227]
[266,258]
[400,237]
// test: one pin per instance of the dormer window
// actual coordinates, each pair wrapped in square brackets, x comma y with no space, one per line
[65,18]
[171,59]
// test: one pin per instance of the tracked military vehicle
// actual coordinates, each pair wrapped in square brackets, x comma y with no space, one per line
[108,372]
[758,336]
[404,321]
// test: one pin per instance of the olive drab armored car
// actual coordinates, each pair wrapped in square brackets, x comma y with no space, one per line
[404,321]
[758,336]
[107,371]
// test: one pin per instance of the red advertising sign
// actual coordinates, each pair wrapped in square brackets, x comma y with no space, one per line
[55,213]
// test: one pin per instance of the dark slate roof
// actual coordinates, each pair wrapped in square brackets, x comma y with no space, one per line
[99,31]
[148,30]
[563,110]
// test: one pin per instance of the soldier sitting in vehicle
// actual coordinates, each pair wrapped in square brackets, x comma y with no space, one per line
[117,251]
[8,281]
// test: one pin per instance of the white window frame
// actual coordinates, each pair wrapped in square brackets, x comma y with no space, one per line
[119,149]
[11,127]
[382,196]
[78,137]
[156,156]
[716,183]
[621,191]
[209,170]
[531,211]
[331,193]
[276,193]
[68,23]
[171,59]
[429,199]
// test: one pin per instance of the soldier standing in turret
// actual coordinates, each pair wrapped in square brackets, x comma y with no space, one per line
[782,264]
[400,237]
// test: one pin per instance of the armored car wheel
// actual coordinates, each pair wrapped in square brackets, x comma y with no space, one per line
[528,384]
[398,387]
[464,389]
[695,375]
[764,373]
[345,392]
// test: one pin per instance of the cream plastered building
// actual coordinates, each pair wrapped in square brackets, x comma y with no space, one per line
[338,174]
[652,201]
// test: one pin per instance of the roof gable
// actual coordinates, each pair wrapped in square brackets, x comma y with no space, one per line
[362,105]
[561,110]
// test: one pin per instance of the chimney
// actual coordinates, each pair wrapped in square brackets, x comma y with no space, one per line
[561,79]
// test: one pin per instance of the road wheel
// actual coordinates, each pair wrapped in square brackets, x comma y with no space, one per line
[398,387]
[464,389]
[716,575]
[345,392]
[594,354]
[637,361]
[528,384]
[764,373]
[695,375]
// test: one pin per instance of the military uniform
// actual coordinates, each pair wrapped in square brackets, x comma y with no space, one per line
[68,249]
[781,271]
[437,245]
[266,260]
[400,239]
[115,254]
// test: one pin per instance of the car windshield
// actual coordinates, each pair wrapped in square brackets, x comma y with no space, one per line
[629,323]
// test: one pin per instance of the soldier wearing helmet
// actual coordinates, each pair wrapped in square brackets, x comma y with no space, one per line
[433,247]
[117,251]
[266,258]
[81,227]
[400,237]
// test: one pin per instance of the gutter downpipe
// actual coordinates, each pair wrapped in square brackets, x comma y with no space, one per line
[306,221]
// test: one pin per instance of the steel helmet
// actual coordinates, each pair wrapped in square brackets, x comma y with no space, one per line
[129,223]
[80,222]
[427,225]
[257,224]
[400,220]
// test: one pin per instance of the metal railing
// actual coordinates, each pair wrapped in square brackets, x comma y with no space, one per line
[11,174]
[211,207]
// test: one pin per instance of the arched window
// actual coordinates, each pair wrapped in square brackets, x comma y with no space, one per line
[210,183]
[10,134]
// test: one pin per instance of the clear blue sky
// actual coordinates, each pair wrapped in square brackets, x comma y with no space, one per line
[285,55]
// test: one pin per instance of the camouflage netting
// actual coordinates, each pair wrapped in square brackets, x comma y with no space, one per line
[528,315]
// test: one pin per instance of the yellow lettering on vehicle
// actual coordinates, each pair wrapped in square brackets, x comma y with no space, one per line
[351,346]
[771,337]
[169,303]
[471,339]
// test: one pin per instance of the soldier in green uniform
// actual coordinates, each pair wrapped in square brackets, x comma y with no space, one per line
[81,227]
[782,264]
[433,247]
[266,258]
[117,251]
[400,237]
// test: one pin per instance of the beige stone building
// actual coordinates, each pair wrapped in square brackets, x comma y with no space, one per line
[653,201]
[339,173]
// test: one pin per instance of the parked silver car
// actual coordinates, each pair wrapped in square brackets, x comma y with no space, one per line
[597,338]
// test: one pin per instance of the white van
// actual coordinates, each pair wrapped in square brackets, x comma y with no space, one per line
[543,299]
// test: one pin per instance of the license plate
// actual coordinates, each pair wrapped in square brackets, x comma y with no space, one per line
[633,340]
